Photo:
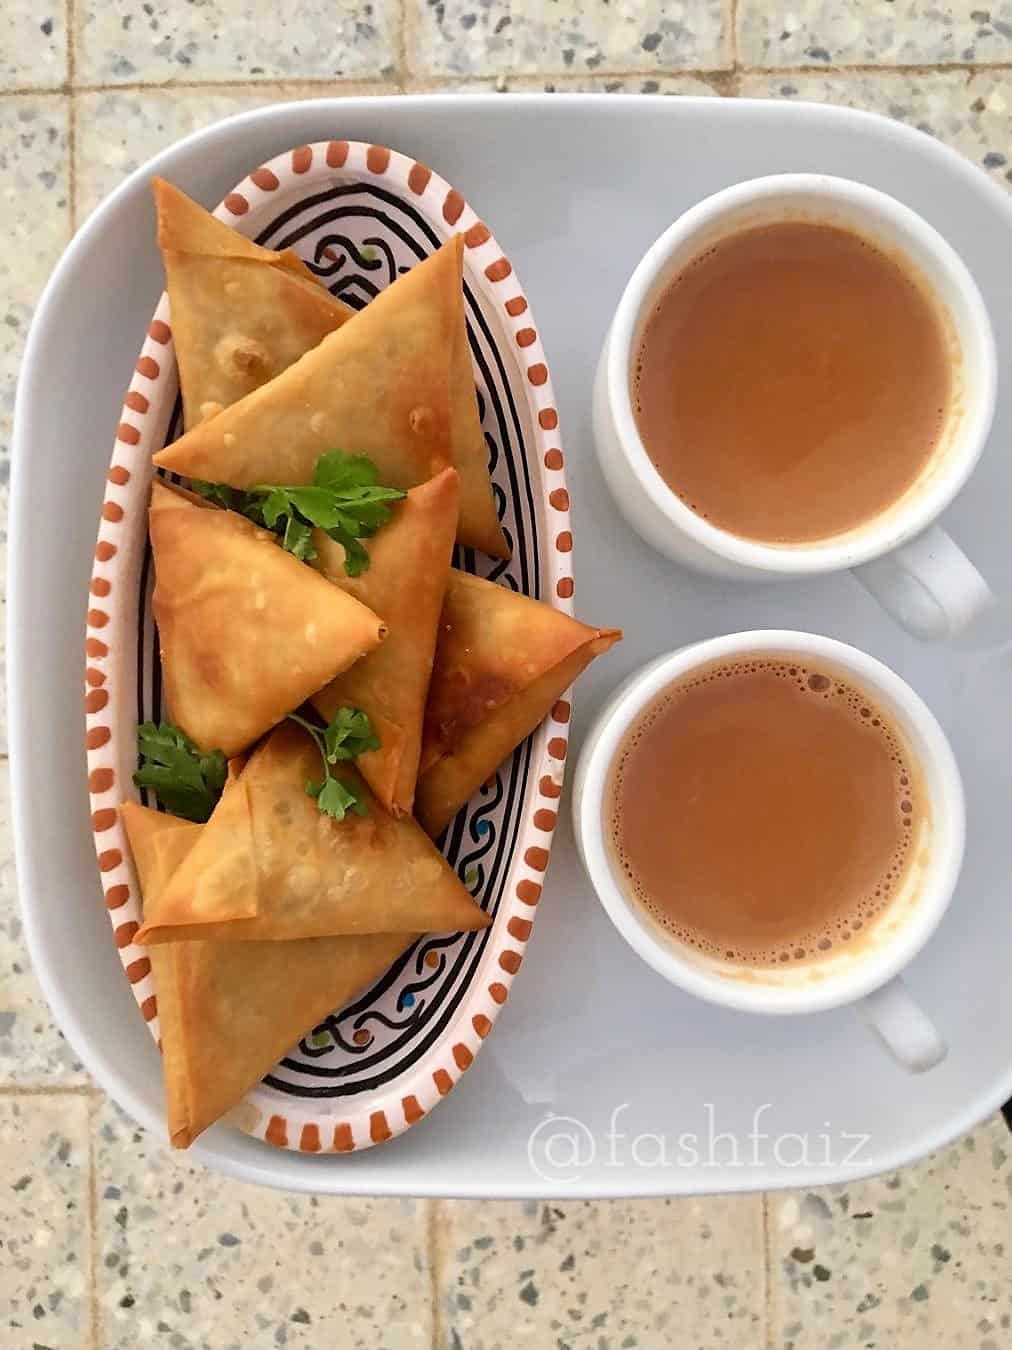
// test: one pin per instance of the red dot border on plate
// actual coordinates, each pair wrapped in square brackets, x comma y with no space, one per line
[142,422]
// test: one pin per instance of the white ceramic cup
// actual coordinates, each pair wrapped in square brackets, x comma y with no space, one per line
[908,562]
[866,974]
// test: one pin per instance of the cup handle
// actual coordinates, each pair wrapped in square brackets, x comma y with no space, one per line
[903,1027]
[929,585]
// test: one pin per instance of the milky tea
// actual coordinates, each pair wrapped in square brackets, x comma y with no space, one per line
[793,382]
[764,810]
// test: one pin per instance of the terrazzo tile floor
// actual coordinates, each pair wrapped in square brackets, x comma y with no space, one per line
[108,1242]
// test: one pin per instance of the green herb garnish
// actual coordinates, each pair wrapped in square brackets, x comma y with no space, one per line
[220,493]
[344,500]
[349,735]
[185,780]
[188,782]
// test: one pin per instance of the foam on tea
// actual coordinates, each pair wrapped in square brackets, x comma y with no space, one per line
[765,810]
[793,382]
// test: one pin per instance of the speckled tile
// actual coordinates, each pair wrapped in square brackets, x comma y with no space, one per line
[873,32]
[33,54]
[190,1259]
[34,199]
[525,37]
[32,1050]
[118,130]
[611,1275]
[969,112]
[125,41]
[36,218]
[45,1247]
[5,467]
[919,1258]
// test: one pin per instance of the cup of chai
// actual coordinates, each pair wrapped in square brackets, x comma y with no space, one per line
[774,821]
[799,378]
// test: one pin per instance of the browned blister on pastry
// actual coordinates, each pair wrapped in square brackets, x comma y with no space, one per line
[502,660]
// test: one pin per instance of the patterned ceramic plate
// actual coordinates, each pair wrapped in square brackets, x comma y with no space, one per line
[359,215]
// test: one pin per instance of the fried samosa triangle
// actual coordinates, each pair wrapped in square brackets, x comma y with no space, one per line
[502,661]
[240,314]
[229,1011]
[271,866]
[394,384]
[247,632]
[409,562]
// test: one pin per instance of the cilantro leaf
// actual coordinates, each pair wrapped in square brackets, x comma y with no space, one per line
[349,735]
[218,492]
[273,507]
[336,799]
[372,511]
[356,559]
[341,472]
[344,500]
[185,780]
[298,539]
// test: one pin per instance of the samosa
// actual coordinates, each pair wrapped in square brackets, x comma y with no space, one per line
[270,865]
[502,660]
[229,1011]
[409,562]
[247,632]
[240,314]
[394,384]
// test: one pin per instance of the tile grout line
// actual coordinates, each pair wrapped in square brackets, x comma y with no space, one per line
[767,1286]
[434,83]
[222,85]
[729,86]
[435,1271]
[871,68]
[439,82]
[93,1264]
[351,86]
[45,1090]
[733,84]
[402,45]
[724,83]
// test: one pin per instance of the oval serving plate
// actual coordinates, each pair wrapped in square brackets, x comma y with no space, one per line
[358,215]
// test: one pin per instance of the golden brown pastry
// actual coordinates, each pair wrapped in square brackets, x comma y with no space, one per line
[240,314]
[502,660]
[270,865]
[391,384]
[247,632]
[409,562]
[229,1011]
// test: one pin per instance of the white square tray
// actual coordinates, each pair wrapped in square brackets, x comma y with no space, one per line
[662,1094]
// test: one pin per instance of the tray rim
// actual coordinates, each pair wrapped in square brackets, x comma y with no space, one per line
[29,829]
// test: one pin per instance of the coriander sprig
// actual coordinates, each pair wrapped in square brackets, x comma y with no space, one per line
[185,780]
[344,500]
[347,736]
[188,781]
